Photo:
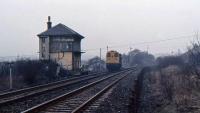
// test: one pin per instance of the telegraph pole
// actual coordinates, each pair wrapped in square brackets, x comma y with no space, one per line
[197,35]
[129,59]
[100,60]
[10,77]
[107,48]
[100,53]
[131,49]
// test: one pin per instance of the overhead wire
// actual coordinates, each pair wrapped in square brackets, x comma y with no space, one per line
[142,43]
[114,46]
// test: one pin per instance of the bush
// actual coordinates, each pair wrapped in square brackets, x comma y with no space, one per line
[166,61]
[35,71]
[139,58]
[28,69]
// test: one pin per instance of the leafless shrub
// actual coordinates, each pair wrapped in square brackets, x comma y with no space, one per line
[167,86]
[96,64]
[166,61]
[34,71]
[27,72]
[4,69]
[194,58]
[139,58]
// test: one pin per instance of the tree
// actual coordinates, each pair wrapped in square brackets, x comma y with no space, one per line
[194,58]
[137,57]
[166,61]
[96,64]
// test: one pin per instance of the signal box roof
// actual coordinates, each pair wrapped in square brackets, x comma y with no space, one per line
[60,30]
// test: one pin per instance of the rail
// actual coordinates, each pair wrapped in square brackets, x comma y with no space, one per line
[51,102]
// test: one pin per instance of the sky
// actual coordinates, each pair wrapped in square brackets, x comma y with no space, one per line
[169,25]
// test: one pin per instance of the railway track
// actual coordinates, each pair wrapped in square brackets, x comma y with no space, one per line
[22,101]
[6,98]
[78,100]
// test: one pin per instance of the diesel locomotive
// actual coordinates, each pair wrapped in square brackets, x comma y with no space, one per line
[113,60]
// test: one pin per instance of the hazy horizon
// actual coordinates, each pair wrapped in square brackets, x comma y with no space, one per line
[121,24]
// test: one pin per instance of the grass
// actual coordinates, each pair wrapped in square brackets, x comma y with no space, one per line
[170,90]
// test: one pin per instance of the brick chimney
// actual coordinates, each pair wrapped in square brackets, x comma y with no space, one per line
[49,22]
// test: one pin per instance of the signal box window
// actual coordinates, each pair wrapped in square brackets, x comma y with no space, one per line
[66,46]
[43,40]
[108,55]
[116,55]
[42,55]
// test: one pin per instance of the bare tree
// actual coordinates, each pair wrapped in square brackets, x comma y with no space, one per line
[194,58]
[96,64]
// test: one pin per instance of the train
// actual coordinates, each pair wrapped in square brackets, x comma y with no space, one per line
[113,60]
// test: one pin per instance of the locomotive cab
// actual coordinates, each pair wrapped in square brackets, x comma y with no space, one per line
[113,60]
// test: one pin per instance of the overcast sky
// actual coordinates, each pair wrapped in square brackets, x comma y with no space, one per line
[119,23]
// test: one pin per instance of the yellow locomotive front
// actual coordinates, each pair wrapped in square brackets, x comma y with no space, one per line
[113,60]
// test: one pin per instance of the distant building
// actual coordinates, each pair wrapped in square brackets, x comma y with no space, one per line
[61,44]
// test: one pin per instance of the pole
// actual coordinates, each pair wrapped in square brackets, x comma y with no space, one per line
[100,53]
[197,35]
[107,48]
[11,79]
[129,55]
[100,60]
[131,49]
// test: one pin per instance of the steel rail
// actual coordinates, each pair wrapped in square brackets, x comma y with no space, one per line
[8,97]
[8,93]
[51,102]
[82,107]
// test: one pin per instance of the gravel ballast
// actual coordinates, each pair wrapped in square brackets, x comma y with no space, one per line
[118,101]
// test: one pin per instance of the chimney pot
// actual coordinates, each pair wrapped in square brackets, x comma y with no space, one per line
[49,22]
[49,18]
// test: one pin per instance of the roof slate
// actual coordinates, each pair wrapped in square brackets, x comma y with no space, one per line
[60,30]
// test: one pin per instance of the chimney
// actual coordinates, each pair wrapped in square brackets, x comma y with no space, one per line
[49,22]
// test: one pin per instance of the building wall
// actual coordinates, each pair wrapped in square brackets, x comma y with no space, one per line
[77,61]
[47,48]
[63,58]
[59,44]
[44,48]
[40,48]
[76,45]
[52,48]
